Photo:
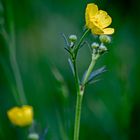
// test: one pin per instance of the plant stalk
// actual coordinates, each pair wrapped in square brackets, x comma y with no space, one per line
[78,114]
[80,93]
[80,88]
[90,68]
[81,40]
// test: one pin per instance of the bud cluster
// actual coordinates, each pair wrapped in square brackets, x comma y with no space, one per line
[101,48]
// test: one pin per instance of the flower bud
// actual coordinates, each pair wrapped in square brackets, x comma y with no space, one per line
[21,116]
[33,136]
[73,38]
[94,45]
[102,49]
[105,39]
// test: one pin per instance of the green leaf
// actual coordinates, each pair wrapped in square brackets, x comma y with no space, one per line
[94,81]
[66,41]
[71,66]
[68,51]
[96,73]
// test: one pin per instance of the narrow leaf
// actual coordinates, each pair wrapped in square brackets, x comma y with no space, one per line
[91,50]
[71,66]
[84,76]
[68,51]
[66,40]
[94,81]
[86,43]
[96,73]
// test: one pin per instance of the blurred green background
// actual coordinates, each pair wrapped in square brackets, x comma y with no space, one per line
[111,108]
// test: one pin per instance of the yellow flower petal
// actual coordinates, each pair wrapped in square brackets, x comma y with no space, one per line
[91,11]
[97,20]
[28,114]
[96,30]
[11,114]
[21,116]
[108,31]
[103,19]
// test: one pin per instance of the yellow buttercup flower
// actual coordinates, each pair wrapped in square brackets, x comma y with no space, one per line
[98,20]
[21,116]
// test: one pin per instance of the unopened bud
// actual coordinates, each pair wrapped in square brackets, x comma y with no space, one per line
[94,45]
[33,136]
[105,39]
[73,38]
[102,48]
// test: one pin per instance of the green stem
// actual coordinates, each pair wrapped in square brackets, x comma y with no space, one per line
[74,60]
[78,114]
[80,93]
[12,52]
[81,40]
[17,76]
[90,68]
[76,77]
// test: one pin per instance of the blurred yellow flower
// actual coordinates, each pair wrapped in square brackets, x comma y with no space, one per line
[98,20]
[21,116]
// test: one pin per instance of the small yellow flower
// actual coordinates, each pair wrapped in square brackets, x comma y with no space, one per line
[21,116]
[98,20]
